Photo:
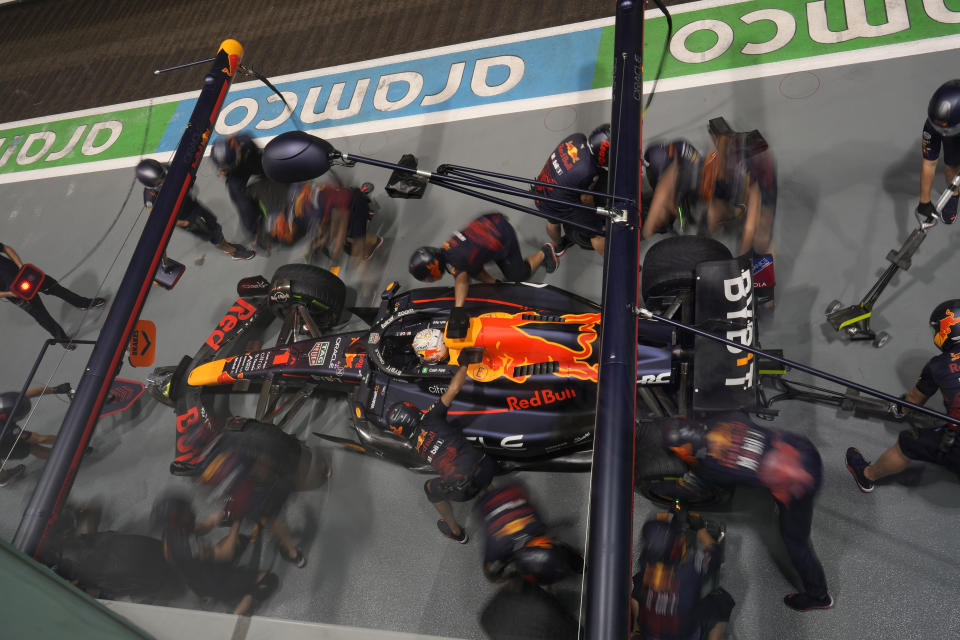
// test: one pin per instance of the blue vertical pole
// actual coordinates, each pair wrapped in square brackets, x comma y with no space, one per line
[58,474]
[607,593]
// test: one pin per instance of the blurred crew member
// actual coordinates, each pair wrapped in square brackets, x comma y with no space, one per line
[665,603]
[730,450]
[239,159]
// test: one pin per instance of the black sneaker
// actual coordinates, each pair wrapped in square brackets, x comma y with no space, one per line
[565,243]
[549,257]
[856,465]
[9,475]
[445,530]
[806,602]
[242,253]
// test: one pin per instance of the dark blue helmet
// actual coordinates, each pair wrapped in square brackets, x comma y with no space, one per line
[944,109]
[173,513]
[151,173]
[427,263]
[944,321]
[546,561]
[662,542]
[402,419]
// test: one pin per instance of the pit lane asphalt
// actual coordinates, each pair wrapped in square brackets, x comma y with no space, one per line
[849,169]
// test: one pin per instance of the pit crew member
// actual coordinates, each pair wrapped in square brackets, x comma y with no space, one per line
[577,162]
[464,470]
[17,443]
[941,130]
[735,185]
[730,450]
[239,159]
[936,445]
[10,265]
[517,544]
[489,238]
[209,569]
[665,603]
[193,216]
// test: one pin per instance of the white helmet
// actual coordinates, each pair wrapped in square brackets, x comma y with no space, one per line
[429,346]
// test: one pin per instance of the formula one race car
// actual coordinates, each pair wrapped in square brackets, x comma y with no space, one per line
[534,352]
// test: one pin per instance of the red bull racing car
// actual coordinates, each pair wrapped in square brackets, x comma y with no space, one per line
[534,352]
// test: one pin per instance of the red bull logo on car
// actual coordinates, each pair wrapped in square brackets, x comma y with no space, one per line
[539,398]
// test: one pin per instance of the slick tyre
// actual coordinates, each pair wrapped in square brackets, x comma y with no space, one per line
[323,293]
[664,479]
[670,264]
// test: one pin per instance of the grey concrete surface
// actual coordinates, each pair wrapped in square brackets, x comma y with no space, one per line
[849,174]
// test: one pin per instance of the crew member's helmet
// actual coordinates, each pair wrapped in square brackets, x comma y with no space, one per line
[662,542]
[944,321]
[546,561]
[429,345]
[224,153]
[173,513]
[427,263]
[151,173]
[656,159]
[684,438]
[599,145]
[403,418]
[944,109]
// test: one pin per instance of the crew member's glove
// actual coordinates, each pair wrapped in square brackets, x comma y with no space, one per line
[896,410]
[927,211]
[62,388]
[470,355]
[458,324]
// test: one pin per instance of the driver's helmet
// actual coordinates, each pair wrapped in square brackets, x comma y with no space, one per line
[173,513]
[662,542]
[403,418]
[427,263]
[684,438]
[944,321]
[546,561]
[151,173]
[944,109]
[429,345]
[599,144]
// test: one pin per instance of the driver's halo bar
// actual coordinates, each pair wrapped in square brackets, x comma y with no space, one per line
[646,313]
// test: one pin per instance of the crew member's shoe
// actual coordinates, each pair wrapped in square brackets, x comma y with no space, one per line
[949,212]
[9,475]
[445,530]
[375,247]
[242,253]
[856,465]
[565,243]
[95,303]
[298,560]
[806,602]
[549,257]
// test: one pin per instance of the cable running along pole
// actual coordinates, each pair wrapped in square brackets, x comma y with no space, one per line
[606,611]
[57,478]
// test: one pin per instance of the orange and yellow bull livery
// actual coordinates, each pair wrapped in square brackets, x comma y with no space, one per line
[514,342]
[946,322]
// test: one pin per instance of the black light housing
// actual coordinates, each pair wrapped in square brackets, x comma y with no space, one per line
[297,156]
[27,282]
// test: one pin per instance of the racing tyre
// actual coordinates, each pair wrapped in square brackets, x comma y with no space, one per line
[670,264]
[322,292]
[664,479]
